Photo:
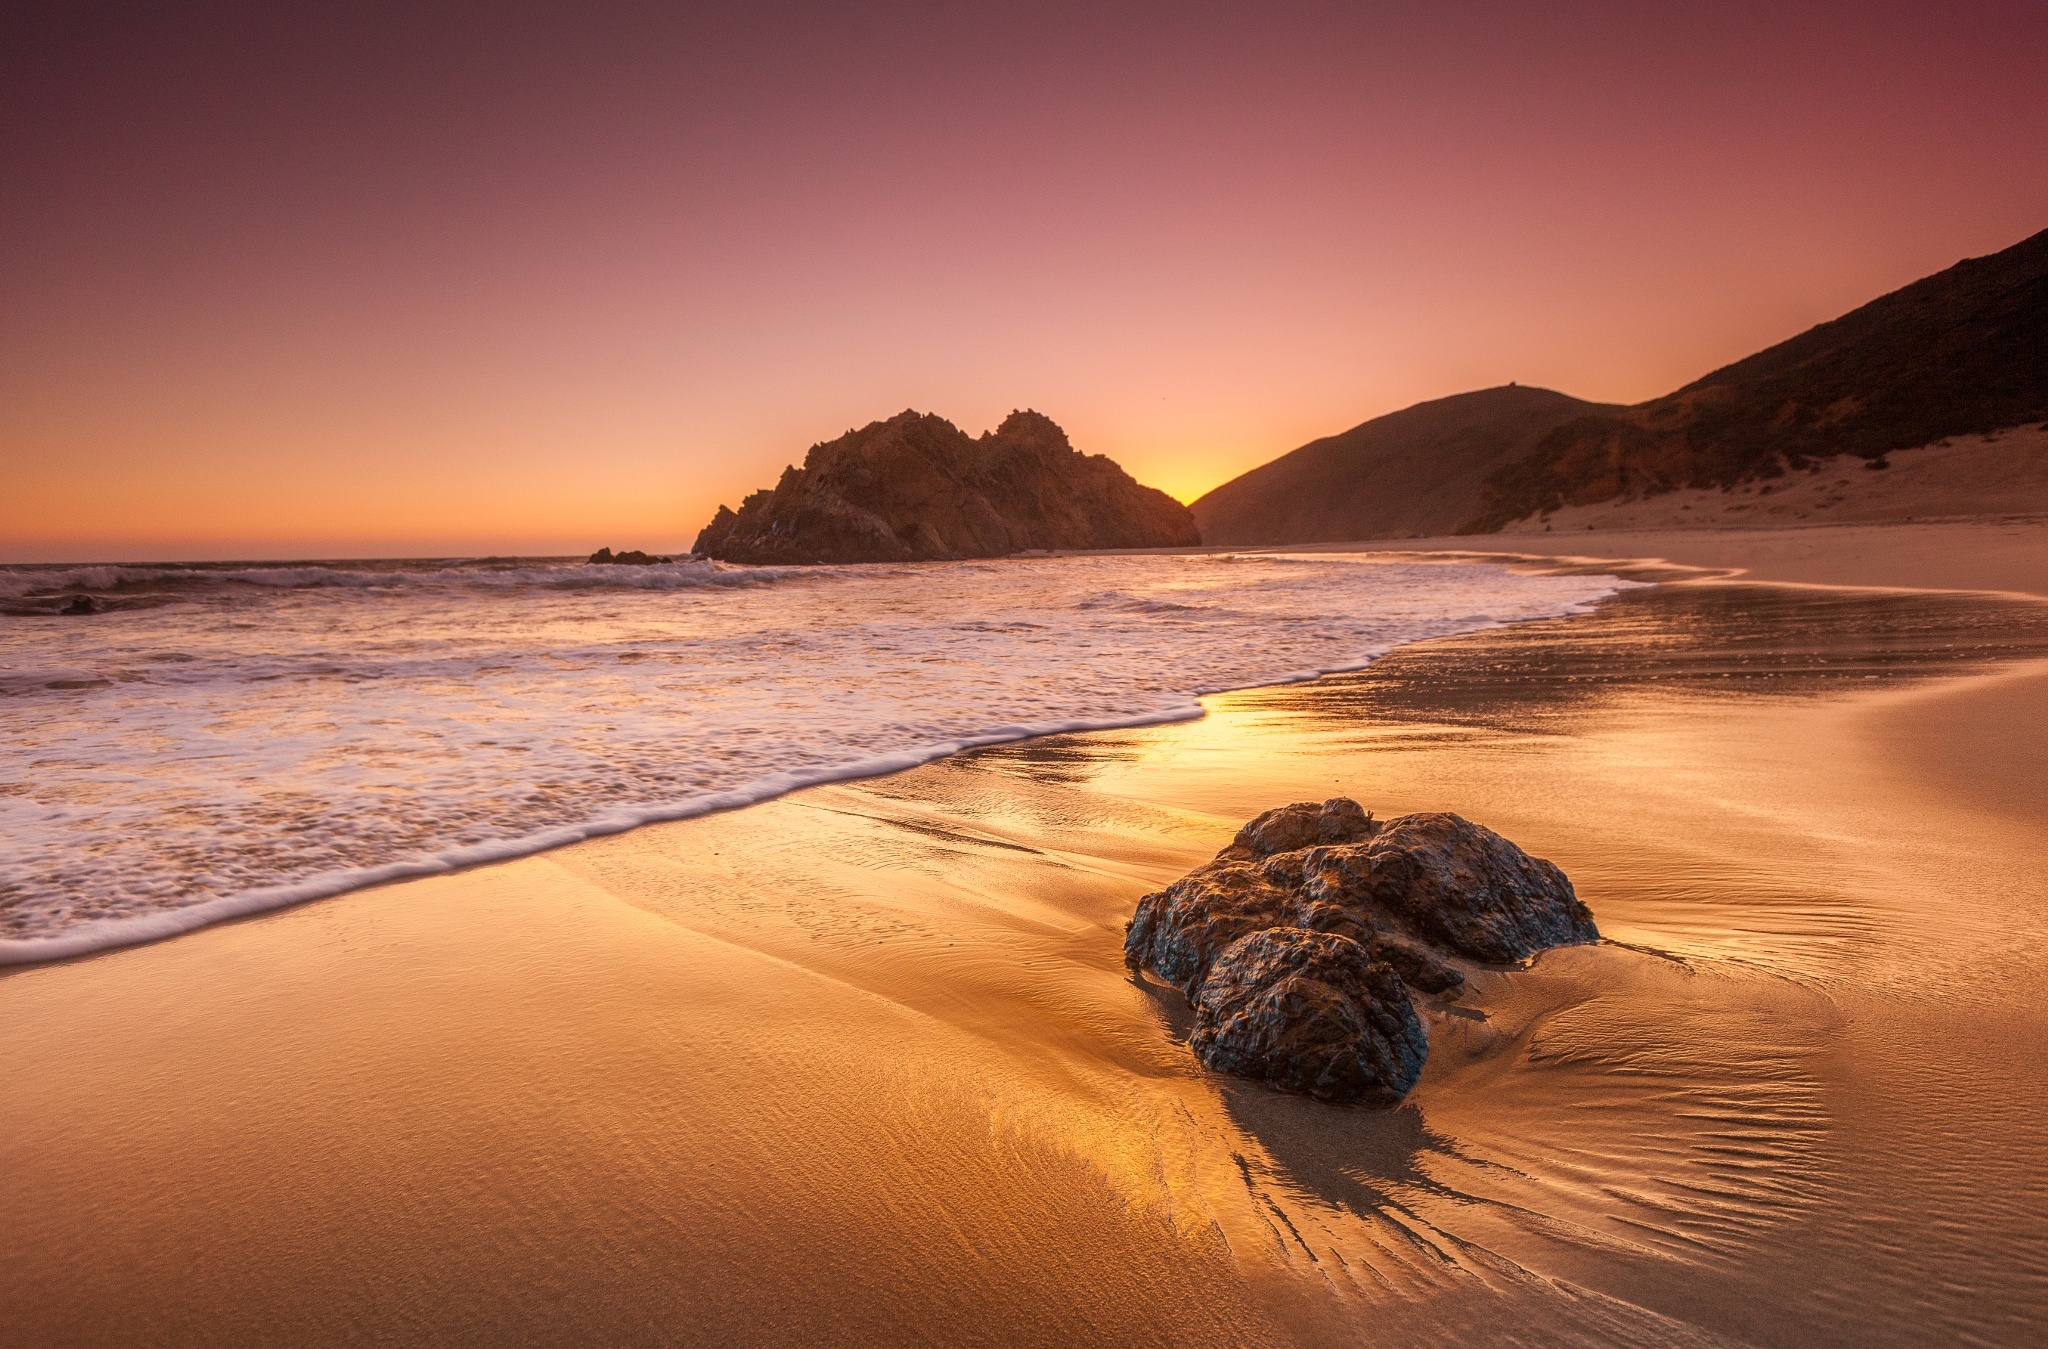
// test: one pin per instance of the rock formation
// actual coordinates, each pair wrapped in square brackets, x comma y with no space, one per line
[1312,1013]
[631,557]
[1297,945]
[917,488]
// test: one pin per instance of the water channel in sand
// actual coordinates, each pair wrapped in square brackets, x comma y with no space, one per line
[865,1062]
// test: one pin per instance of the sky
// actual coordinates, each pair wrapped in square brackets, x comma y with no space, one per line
[413,280]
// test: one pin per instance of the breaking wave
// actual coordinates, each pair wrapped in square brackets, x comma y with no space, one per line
[223,739]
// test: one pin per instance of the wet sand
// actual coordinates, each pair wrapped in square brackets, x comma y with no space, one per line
[863,1064]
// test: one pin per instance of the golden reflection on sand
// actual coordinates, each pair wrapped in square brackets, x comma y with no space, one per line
[864,1064]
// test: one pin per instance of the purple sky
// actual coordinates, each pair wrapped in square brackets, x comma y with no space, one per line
[533,278]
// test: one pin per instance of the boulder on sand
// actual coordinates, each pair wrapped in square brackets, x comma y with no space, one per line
[1317,919]
[1462,887]
[1311,1013]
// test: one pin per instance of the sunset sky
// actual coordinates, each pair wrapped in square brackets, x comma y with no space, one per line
[535,278]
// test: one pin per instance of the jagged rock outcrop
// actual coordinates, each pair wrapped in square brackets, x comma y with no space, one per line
[917,488]
[631,557]
[1297,944]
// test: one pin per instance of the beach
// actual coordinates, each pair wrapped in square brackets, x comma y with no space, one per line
[864,1064]
[1997,556]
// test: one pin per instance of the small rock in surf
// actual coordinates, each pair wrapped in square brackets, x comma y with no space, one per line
[632,557]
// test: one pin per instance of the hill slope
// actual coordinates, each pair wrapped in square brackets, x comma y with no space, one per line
[1418,471]
[917,488]
[2000,476]
[1962,352]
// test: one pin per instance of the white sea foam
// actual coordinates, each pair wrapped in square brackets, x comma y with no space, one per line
[257,736]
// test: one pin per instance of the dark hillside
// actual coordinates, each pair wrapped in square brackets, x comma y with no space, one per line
[1962,352]
[1414,472]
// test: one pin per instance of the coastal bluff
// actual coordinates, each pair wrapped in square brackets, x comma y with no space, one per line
[916,488]
[1297,945]
[1950,373]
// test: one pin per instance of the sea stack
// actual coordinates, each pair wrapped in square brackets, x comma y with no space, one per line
[916,488]
[1298,944]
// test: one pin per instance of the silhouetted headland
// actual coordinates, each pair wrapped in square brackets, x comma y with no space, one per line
[916,488]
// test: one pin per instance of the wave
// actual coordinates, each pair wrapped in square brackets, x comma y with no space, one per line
[108,934]
[200,764]
[114,581]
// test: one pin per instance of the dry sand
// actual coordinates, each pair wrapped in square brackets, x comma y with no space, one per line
[1988,556]
[2005,554]
[863,1065]
[2004,474]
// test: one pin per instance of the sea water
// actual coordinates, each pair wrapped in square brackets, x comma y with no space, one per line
[221,739]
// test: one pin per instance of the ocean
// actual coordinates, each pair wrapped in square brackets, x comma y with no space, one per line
[223,738]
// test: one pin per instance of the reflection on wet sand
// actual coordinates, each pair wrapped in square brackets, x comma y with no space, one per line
[865,1062]
[1697,1117]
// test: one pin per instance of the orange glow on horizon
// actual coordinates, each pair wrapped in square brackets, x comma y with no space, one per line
[588,282]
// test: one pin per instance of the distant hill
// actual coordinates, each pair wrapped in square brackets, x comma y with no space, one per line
[1419,471]
[1961,353]
[917,488]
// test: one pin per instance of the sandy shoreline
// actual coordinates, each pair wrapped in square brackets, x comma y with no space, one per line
[1995,557]
[863,1063]
[1990,556]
